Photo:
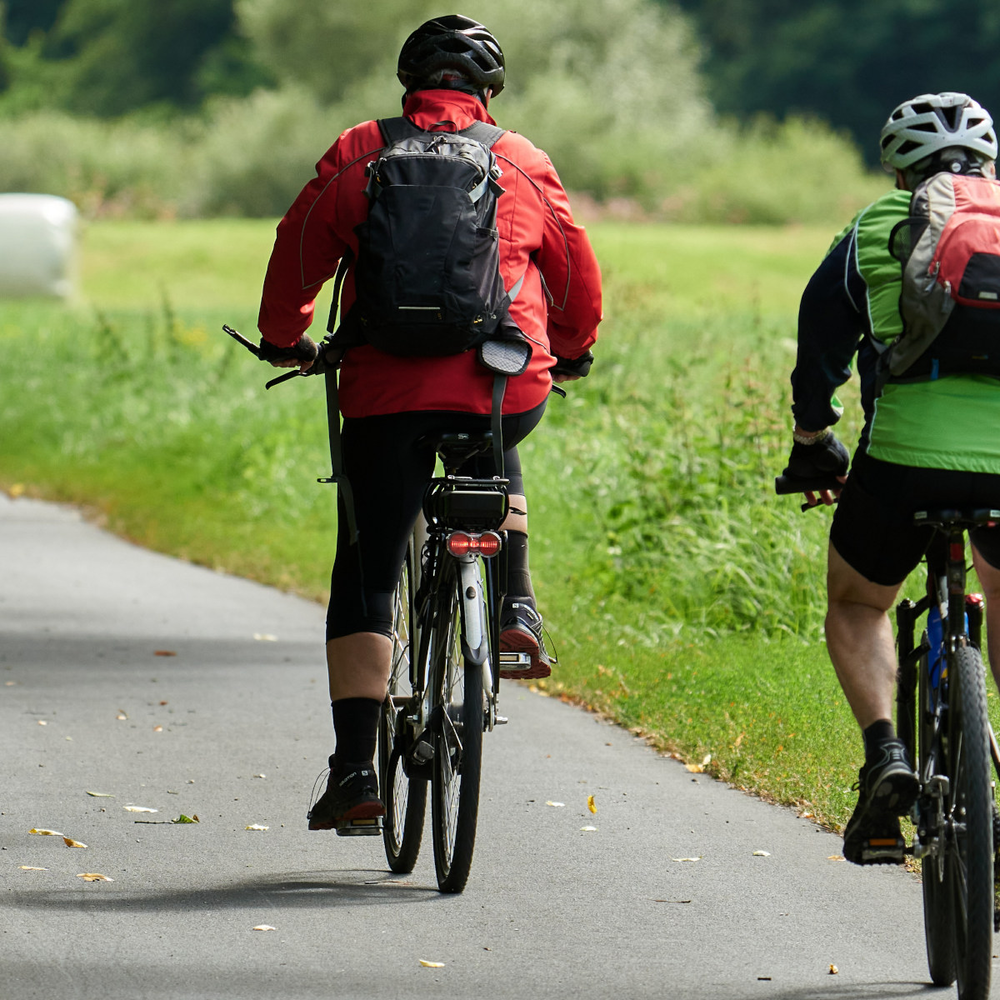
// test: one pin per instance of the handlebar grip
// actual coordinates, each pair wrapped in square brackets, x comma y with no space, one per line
[791,484]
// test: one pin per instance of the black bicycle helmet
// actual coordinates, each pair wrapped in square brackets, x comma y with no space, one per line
[452,42]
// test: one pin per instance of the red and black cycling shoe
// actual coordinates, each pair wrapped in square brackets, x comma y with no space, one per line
[350,805]
[521,632]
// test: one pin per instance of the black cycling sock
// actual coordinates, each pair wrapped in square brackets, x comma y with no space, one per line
[518,576]
[355,721]
[878,733]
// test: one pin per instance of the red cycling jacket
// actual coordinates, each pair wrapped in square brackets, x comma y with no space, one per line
[558,307]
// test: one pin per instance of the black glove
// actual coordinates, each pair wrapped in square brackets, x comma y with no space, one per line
[574,366]
[825,456]
[304,350]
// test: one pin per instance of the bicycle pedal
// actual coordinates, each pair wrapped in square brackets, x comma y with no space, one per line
[500,720]
[515,661]
[360,827]
[883,851]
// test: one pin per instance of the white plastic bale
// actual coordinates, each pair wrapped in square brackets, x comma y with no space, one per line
[38,237]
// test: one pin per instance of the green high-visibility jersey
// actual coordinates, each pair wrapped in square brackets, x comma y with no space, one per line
[851,306]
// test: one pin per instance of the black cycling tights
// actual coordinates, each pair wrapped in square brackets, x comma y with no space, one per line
[389,468]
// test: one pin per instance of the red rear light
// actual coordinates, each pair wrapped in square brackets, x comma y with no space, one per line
[462,543]
[489,543]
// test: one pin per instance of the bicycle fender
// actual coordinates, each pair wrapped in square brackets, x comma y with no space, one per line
[475,642]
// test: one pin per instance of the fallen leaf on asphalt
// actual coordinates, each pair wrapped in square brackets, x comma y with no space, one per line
[95,877]
[100,795]
[761,854]
[45,833]
[591,805]
[260,775]
[121,716]
[139,809]
[835,857]
[588,829]
[265,637]
[42,722]
[186,819]
[256,826]
[833,969]
[70,842]
[556,805]
[431,965]
[685,859]
[695,768]
[32,868]
[164,652]
[264,927]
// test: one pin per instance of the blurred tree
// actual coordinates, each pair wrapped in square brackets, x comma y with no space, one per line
[21,18]
[847,61]
[109,57]
[329,47]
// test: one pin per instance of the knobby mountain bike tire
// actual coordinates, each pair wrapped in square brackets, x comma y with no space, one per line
[939,919]
[405,799]
[458,749]
[969,852]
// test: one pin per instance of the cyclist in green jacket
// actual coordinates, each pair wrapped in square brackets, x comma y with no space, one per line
[924,444]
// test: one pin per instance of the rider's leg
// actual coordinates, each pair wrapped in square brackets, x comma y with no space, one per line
[516,526]
[358,665]
[989,579]
[860,640]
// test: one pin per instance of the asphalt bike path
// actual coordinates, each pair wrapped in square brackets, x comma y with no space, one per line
[130,681]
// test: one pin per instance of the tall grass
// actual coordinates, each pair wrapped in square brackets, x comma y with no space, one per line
[684,599]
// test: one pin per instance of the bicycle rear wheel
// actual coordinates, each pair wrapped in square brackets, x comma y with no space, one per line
[458,752]
[405,799]
[939,918]
[969,848]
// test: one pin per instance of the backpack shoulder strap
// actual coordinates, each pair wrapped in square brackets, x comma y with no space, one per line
[395,129]
[483,132]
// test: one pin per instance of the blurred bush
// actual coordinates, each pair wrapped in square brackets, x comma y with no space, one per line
[609,88]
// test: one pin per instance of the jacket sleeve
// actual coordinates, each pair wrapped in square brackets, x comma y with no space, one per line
[307,249]
[831,326]
[569,268]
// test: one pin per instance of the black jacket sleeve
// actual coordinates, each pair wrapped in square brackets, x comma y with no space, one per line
[832,322]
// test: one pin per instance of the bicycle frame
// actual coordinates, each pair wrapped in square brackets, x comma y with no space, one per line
[946,583]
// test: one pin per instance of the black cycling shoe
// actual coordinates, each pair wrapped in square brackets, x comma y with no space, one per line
[350,805]
[521,632]
[887,788]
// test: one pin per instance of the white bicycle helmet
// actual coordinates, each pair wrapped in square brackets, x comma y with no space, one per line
[927,124]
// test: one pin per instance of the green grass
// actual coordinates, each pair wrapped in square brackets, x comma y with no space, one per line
[685,600]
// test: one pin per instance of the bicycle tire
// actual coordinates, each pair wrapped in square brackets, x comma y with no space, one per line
[939,921]
[458,751]
[405,799]
[969,858]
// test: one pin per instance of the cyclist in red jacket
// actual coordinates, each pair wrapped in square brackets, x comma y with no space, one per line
[451,67]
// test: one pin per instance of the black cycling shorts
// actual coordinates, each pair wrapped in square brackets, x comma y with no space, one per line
[873,524]
[388,469]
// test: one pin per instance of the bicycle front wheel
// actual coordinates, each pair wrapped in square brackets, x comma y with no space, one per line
[939,910]
[405,799]
[969,826]
[458,752]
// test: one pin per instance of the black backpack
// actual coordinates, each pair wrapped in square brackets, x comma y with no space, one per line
[427,275]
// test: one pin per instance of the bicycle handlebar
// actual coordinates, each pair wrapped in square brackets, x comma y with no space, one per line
[319,367]
[791,484]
